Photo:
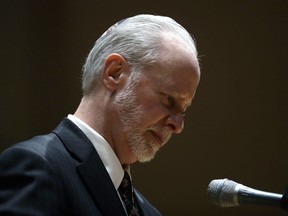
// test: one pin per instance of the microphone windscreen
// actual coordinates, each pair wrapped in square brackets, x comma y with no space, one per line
[221,192]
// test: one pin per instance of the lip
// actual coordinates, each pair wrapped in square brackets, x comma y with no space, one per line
[157,137]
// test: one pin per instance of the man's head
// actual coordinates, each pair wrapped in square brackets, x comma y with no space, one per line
[146,70]
[138,39]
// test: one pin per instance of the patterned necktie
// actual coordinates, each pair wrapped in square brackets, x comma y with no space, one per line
[127,195]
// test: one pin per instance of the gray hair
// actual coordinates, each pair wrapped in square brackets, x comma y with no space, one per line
[137,39]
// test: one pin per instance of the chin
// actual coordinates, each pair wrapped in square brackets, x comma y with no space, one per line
[144,150]
[145,159]
[146,156]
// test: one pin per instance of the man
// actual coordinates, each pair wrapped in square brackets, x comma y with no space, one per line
[138,80]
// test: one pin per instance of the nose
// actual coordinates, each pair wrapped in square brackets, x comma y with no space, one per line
[176,122]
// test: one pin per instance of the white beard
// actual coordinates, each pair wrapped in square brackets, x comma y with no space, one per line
[132,115]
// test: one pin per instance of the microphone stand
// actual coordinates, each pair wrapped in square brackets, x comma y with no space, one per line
[284,200]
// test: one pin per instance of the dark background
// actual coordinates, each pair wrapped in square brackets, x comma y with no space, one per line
[236,127]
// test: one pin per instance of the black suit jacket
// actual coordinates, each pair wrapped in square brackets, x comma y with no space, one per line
[59,173]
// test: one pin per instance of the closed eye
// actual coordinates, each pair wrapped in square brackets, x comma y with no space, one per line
[171,103]
[170,100]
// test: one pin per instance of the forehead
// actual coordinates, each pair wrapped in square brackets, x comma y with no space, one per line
[176,73]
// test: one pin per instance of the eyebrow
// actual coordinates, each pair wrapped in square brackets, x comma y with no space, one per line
[178,94]
[174,96]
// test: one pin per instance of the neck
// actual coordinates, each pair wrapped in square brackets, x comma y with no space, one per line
[98,114]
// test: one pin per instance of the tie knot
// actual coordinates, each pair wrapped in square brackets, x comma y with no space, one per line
[126,182]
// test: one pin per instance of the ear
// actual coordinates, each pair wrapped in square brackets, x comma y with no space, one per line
[115,72]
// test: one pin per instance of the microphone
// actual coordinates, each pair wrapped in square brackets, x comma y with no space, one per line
[227,193]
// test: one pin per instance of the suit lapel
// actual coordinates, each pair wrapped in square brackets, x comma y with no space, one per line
[100,185]
[146,208]
[90,168]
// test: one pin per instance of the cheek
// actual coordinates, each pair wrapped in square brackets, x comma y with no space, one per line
[153,113]
[151,105]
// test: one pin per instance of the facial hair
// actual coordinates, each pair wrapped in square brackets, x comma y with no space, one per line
[132,115]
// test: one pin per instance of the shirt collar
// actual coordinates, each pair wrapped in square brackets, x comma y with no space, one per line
[103,148]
